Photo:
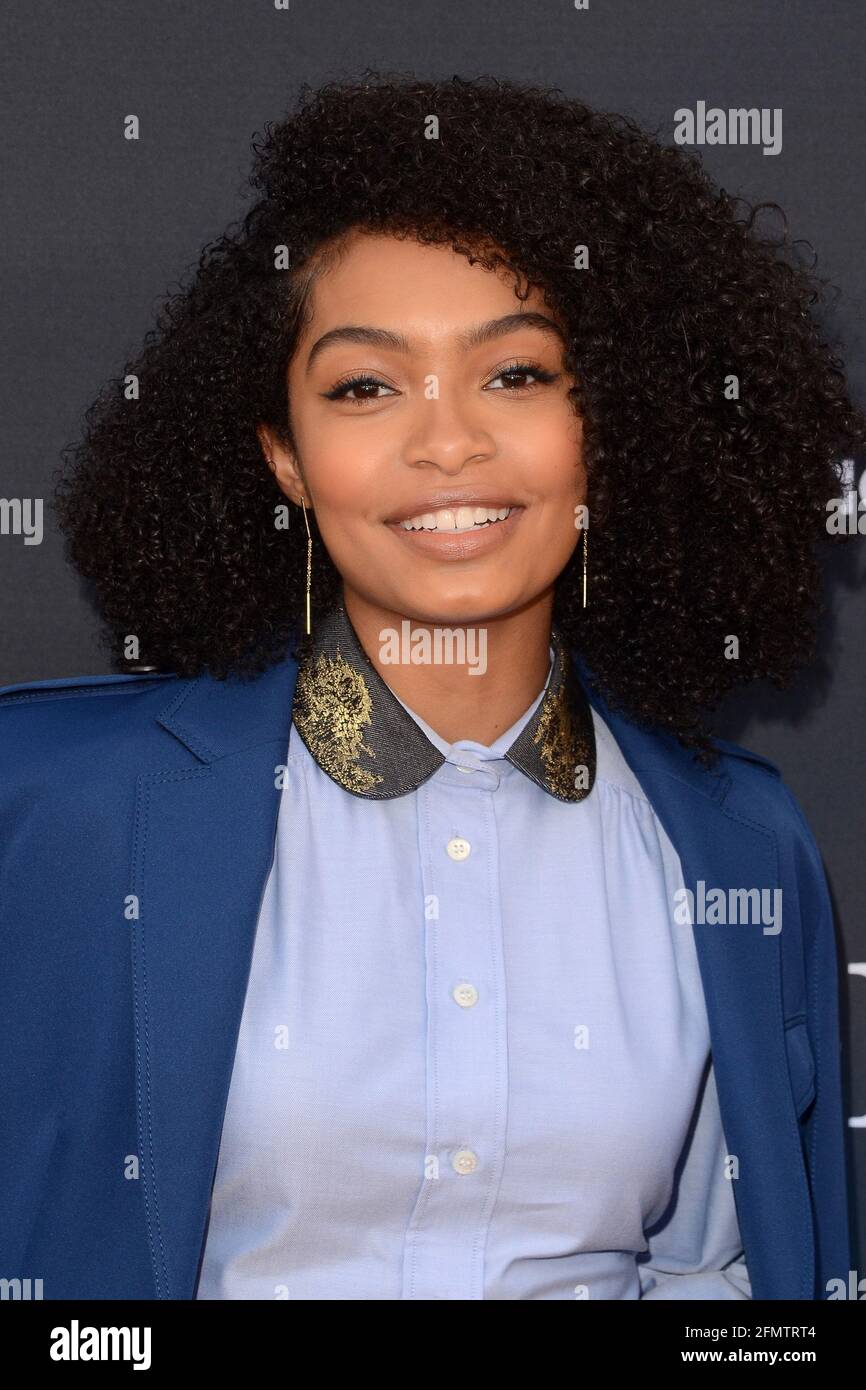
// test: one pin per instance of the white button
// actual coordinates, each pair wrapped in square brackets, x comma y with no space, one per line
[466,995]
[464,1161]
[458,848]
[460,768]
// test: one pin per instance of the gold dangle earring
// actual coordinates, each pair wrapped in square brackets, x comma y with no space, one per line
[585,533]
[309,563]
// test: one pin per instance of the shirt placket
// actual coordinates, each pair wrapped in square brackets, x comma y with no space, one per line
[466,1043]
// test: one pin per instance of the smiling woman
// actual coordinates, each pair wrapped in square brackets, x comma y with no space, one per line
[662,294]
[372,980]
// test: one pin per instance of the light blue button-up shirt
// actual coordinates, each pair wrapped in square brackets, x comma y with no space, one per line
[474,1059]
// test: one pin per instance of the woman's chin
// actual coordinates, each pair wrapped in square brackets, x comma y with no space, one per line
[455,611]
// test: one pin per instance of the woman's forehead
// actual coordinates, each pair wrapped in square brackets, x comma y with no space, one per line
[382,280]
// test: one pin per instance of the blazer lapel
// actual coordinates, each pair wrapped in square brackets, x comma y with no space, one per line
[203,846]
[740,969]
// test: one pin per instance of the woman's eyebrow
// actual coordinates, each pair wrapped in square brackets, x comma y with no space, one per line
[471,337]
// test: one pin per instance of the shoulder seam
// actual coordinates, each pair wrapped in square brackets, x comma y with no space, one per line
[77,687]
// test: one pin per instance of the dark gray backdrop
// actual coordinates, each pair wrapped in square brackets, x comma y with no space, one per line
[98,228]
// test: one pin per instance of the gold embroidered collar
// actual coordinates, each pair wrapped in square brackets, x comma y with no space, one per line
[362,737]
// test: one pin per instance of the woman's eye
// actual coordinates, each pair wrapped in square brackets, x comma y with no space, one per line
[363,384]
[515,373]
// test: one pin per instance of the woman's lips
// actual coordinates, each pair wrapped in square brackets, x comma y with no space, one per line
[460,545]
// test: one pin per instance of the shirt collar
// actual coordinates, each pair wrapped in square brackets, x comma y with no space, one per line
[363,736]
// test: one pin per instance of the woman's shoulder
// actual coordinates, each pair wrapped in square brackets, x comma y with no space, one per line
[758,778]
[40,719]
[736,750]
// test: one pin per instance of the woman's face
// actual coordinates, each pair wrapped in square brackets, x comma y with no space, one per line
[460,407]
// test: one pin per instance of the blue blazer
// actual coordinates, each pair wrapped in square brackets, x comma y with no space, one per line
[137,824]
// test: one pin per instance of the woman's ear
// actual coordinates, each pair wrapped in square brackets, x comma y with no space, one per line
[283,463]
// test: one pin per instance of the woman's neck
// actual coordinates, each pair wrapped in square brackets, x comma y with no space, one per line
[468,680]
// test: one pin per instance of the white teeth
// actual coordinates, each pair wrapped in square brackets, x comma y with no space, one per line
[459,519]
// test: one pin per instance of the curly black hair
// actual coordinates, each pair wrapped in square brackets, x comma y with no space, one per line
[705,511]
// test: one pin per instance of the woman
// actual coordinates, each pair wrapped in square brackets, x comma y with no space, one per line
[393,928]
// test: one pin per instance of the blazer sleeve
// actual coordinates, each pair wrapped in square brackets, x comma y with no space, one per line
[824,1124]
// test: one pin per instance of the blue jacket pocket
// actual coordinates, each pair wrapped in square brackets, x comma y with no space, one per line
[801,1064]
